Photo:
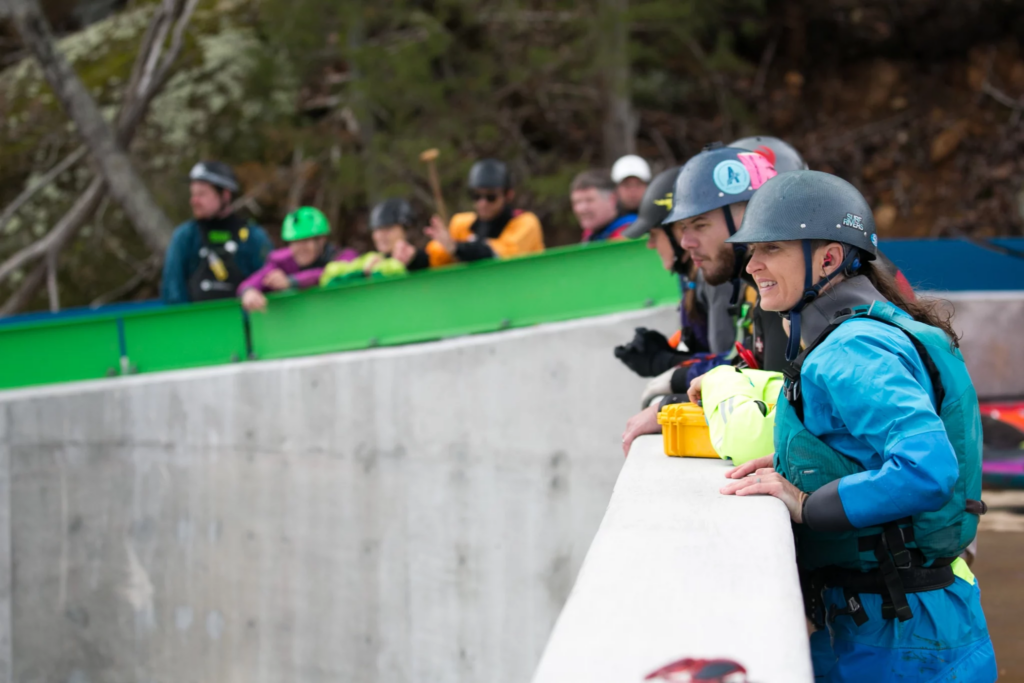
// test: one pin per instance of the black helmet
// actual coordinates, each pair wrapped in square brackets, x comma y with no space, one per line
[655,205]
[783,155]
[715,178]
[809,205]
[489,173]
[215,173]
[391,212]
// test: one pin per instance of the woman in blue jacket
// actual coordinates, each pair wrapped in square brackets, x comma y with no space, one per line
[878,445]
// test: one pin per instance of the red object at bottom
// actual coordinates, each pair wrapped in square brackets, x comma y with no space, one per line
[700,670]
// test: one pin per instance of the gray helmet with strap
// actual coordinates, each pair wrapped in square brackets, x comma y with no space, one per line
[392,211]
[805,206]
[489,174]
[783,155]
[715,178]
[809,205]
[655,205]
[215,173]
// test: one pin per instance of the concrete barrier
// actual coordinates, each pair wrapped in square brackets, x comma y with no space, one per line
[992,327]
[403,515]
[678,570]
[407,514]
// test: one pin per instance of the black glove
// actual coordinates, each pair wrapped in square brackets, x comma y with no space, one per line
[649,354]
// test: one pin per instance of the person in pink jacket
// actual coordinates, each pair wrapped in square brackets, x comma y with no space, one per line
[297,266]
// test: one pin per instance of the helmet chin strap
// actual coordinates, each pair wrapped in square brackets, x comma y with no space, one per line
[737,250]
[849,266]
[679,264]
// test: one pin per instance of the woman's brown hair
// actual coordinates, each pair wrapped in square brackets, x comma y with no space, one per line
[927,311]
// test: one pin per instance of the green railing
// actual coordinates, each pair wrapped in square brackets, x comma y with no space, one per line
[559,284]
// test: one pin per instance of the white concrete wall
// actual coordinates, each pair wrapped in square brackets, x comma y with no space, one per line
[404,515]
[678,570]
[416,514]
[992,328]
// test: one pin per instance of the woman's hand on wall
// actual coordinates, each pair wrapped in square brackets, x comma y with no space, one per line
[644,422]
[764,463]
[767,482]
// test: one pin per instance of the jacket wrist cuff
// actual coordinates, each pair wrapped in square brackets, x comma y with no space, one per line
[823,510]
[679,382]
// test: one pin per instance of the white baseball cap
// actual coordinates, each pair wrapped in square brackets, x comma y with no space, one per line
[631,166]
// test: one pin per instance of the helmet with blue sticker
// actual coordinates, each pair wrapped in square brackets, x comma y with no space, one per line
[715,178]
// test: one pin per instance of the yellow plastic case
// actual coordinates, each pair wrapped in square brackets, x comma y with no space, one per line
[685,431]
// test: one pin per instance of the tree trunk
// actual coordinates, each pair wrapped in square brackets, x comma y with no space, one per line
[356,38]
[620,122]
[108,156]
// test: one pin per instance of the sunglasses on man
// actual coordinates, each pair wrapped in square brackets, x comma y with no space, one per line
[489,197]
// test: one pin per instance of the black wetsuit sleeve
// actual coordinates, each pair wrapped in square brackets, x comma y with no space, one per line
[473,251]
[420,261]
[679,381]
[823,510]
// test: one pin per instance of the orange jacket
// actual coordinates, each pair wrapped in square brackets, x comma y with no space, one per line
[522,235]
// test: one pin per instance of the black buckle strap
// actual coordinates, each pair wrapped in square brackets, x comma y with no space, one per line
[895,540]
[866,544]
[812,586]
[853,608]
[892,555]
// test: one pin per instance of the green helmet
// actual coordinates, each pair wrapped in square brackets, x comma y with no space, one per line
[303,223]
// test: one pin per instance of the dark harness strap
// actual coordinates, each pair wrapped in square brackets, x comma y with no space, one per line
[899,571]
[792,371]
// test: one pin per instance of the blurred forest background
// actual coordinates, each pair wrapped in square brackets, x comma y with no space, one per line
[330,102]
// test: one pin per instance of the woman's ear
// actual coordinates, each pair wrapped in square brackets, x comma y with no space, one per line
[831,258]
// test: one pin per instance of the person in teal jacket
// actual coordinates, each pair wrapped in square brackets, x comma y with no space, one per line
[877,445]
[210,256]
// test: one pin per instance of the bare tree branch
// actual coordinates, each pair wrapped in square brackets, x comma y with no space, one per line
[48,177]
[177,40]
[620,121]
[25,291]
[133,109]
[68,225]
[298,180]
[145,48]
[662,144]
[161,24]
[719,86]
[141,275]
[108,155]
[52,290]
[766,62]
[1004,99]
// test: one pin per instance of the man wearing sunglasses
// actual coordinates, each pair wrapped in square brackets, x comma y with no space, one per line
[493,230]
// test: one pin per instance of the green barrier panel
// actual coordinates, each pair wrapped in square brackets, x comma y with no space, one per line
[559,284]
[41,353]
[186,336]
